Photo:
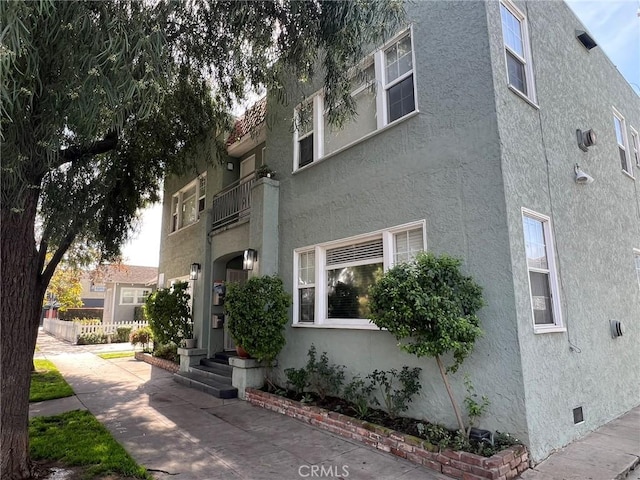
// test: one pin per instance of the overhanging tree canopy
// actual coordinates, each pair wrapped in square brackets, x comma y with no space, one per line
[100,100]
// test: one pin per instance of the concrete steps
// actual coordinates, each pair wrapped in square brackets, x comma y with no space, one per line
[212,376]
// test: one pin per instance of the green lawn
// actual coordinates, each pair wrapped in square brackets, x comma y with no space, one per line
[77,438]
[47,383]
[110,355]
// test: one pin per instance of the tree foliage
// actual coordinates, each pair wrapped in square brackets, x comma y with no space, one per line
[169,314]
[257,313]
[65,288]
[430,306]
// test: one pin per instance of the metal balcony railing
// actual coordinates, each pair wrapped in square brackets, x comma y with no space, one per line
[232,203]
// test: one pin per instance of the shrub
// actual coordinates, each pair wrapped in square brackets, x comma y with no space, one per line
[122,334]
[430,307]
[475,409]
[298,378]
[92,339]
[360,394]
[139,314]
[168,352]
[324,379]
[396,398]
[142,336]
[73,313]
[87,321]
[169,314]
[257,315]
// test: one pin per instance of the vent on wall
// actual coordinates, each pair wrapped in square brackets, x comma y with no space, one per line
[585,39]
[617,329]
[578,416]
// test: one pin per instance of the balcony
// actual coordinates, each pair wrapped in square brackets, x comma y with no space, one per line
[233,203]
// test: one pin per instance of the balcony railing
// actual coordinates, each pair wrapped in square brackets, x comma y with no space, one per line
[232,203]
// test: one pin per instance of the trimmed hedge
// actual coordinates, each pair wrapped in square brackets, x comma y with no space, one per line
[80,313]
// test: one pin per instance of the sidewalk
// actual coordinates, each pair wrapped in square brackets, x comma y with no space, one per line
[183,434]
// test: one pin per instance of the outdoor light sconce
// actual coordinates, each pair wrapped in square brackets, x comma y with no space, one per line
[249,258]
[194,272]
[582,178]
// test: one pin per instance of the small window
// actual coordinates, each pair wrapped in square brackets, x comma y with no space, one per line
[517,49]
[134,296]
[305,134]
[542,275]
[306,286]
[202,193]
[621,138]
[399,79]
[407,245]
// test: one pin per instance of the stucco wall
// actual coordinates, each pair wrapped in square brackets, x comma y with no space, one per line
[441,165]
[596,226]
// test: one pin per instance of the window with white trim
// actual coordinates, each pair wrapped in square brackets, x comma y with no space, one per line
[134,296]
[517,49]
[636,256]
[635,146]
[333,279]
[383,94]
[188,203]
[543,283]
[621,137]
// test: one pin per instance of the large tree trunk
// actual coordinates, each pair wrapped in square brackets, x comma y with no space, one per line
[21,302]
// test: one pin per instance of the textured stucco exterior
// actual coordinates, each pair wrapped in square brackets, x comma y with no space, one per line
[595,226]
[467,162]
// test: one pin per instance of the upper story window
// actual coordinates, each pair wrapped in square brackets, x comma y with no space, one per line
[543,282]
[134,296]
[385,93]
[187,203]
[635,147]
[621,138]
[517,49]
[333,279]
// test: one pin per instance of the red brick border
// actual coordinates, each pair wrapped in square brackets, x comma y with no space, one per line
[505,465]
[157,362]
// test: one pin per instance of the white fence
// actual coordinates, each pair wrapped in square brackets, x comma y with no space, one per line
[70,331]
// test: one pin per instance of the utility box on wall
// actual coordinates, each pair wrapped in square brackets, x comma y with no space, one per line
[217,321]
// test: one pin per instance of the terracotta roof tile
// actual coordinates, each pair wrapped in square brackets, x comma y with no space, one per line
[252,118]
[119,273]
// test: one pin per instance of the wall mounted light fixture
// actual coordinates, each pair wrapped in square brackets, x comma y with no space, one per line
[194,272]
[582,177]
[249,257]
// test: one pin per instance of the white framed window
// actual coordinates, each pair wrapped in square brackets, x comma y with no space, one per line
[636,257]
[635,146]
[543,279]
[332,279]
[517,49]
[188,203]
[134,296]
[383,94]
[621,137]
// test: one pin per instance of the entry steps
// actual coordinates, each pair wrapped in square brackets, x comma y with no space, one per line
[212,376]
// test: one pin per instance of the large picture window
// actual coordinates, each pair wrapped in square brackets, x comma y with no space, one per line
[383,94]
[333,278]
[517,50]
[188,203]
[543,283]
[134,296]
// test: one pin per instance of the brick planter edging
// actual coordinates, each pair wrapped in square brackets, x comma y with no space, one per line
[157,362]
[504,465]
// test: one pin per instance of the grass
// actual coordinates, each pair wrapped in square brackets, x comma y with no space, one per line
[77,439]
[110,355]
[47,383]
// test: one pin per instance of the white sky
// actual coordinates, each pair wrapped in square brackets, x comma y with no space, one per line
[614,24]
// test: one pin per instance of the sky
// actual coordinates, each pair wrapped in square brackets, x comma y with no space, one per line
[614,24]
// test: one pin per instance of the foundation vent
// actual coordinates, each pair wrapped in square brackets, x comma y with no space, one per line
[578,416]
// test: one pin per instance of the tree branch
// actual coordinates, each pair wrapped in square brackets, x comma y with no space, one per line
[57,256]
[75,152]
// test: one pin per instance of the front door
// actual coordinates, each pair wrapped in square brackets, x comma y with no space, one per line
[233,276]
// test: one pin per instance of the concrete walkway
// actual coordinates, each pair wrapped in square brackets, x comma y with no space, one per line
[182,434]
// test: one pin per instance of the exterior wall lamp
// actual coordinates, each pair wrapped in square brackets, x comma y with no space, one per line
[194,272]
[249,257]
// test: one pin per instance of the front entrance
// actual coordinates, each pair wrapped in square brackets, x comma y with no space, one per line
[233,276]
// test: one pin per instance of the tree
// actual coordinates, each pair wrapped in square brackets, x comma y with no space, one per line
[65,288]
[101,99]
[430,307]
[169,314]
